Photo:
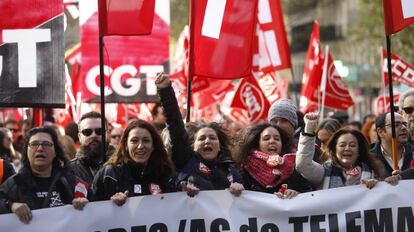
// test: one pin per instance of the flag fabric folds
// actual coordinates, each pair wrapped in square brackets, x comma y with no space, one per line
[402,71]
[249,96]
[221,33]
[398,14]
[126,17]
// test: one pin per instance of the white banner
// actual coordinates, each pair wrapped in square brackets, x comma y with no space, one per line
[355,208]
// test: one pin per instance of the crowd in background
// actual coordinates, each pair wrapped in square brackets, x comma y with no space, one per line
[289,154]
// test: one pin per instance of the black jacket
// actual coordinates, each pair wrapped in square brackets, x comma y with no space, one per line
[205,175]
[85,168]
[8,171]
[21,187]
[132,177]
[408,157]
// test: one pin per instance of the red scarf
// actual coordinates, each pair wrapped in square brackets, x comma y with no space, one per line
[269,170]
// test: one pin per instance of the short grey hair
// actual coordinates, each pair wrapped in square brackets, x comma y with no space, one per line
[404,95]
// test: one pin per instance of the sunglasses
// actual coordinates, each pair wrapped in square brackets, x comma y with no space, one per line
[408,110]
[88,132]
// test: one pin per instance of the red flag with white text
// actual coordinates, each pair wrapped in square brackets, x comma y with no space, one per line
[126,17]
[312,74]
[398,14]
[249,96]
[272,48]
[222,34]
[382,103]
[402,71]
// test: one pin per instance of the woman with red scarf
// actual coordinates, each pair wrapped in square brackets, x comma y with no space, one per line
[264,155]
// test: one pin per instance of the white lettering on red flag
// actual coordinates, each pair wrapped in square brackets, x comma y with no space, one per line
[407,8]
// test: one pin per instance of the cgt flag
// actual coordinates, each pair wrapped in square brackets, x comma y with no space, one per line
[126,17]
[249,96]
[221,38]
[402,71]
[398,14]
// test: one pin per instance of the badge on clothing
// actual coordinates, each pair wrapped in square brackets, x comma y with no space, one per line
[155,189]
[204,169]
[137,188]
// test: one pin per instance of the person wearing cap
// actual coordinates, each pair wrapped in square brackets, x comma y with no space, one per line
[282,113]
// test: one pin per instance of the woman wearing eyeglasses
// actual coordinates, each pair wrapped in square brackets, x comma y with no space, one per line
[139,166]
[45,179]
[350,162]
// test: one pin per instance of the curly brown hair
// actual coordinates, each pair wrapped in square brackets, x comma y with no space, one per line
[249,140]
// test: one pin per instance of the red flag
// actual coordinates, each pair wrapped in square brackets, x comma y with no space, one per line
[126,17]
[249,96]
[313,70]
[382,103]
[38,117]
[398,14]
[337,95]
[402,71]
[273,49]
[222,34]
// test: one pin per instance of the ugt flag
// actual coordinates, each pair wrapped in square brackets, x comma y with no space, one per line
[222,32]
[126,17]
[31,53]
[398,14]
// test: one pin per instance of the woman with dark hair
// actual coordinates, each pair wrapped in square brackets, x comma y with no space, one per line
[7,151]
[263,152]
[350,161]
[45,179]
[201,153]
[139,166]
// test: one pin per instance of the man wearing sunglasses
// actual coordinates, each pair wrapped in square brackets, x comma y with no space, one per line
[90,158]
[406,104]
[382,149]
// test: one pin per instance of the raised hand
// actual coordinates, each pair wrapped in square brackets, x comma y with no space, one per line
[311,122]
[162,81]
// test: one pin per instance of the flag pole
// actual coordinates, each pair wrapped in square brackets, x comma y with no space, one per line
[325,74]
[102,91]
[190,61]
[394,139]
[295,92]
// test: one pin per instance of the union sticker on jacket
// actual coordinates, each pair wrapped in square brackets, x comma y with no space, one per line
[204,169]
[155,189]
[137,188]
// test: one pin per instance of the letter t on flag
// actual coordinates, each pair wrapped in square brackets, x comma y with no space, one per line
[398,14]
[221,34]
[126,17]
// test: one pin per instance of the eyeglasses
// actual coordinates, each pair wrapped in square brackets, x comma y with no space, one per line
[115,136]
[88,132]
[399,124]
[37,144]
[408,110]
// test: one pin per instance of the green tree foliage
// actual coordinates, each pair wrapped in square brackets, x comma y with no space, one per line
[369,30]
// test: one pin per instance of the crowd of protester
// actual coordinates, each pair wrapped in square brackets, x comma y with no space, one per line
[291,153]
